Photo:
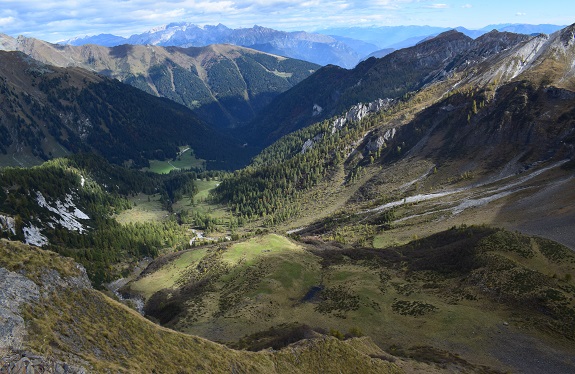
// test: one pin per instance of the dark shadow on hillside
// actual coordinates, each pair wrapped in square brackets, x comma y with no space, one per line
[121,51]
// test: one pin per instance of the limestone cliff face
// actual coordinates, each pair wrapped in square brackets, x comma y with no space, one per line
[20,289]
[15,291]
[359,111]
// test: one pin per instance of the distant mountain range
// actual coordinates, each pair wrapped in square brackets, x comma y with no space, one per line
[344,47]
[393,179]
[316,48]
[406,36]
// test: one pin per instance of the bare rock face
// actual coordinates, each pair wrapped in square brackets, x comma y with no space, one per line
[568,36]
[28,286]
[19,362]
[377,143]
[306,146]
[316,110]
[52,281]
[15,290]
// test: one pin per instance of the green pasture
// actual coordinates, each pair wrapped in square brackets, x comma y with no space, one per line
[186,160]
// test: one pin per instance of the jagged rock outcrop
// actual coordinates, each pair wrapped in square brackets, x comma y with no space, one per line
[310,142]
[17,290]
[22,362]
[358,112]
[306,146]
[355,114]
[7,224]
[380,141]
[316,110]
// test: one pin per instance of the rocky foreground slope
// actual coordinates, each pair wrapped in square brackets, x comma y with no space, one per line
[52,321]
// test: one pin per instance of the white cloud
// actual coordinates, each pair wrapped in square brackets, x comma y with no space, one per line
[520,14]
[437,6]
[55,20]
[5,21]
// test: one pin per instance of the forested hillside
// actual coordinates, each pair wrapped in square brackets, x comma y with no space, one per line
[423,199]
[47,112]
[68,205]
[225,85]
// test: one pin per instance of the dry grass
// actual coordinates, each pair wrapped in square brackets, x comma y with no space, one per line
[18,257]
[109,337]
[146,208]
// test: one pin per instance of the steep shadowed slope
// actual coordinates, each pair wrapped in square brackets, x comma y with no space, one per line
[47,112]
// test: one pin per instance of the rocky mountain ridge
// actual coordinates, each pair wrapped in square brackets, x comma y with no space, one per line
[406,36]
[474,131]
[396,74]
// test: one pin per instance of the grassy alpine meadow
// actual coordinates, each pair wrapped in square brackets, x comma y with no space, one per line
[185,160]
[468,287]
[145,208]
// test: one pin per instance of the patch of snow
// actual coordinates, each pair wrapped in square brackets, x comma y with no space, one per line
[466,203]
[67,212]
[295,230]
[33,236]
[413,199]
[531,176]
[409,184]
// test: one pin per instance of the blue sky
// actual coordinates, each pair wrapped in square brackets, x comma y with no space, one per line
[58,20]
